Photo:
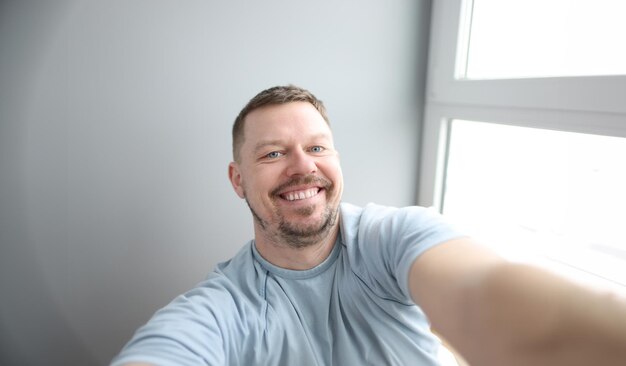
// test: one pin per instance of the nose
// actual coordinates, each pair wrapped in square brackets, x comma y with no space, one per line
[301,163]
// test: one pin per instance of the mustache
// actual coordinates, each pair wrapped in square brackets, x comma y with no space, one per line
[303,180]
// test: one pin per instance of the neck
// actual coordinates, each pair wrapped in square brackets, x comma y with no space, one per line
[287,256]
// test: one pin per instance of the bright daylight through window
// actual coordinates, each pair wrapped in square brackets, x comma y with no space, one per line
[541,194]
[543,38]
[526,104]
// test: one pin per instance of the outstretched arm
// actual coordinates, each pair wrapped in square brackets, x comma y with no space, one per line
[499,313]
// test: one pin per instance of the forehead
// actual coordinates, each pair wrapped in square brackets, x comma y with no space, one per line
[285,122]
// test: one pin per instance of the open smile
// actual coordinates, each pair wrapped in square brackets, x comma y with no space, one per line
[301,189]
[300,194]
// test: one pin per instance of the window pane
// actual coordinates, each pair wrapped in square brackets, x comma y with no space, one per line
[537,193]
[544,38]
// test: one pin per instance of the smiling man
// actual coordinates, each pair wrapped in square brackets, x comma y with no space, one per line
[327,283]
[287,169]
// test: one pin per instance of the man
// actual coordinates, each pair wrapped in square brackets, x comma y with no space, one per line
[325,282]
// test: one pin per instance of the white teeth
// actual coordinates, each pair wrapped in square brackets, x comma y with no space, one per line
[292,196]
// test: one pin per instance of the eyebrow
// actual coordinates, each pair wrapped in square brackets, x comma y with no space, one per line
[261,144]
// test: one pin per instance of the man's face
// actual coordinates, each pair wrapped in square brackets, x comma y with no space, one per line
[289,173]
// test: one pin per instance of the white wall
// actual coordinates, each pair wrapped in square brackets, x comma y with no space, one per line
[115,122]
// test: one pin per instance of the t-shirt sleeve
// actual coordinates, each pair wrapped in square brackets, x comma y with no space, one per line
[185,332]
[388,242]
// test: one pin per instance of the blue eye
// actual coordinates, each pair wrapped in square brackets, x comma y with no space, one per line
[317,149]
[274,154]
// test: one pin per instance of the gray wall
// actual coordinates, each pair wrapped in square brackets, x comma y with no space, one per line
[115,122]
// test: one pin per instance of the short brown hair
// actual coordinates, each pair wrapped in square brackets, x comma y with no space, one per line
[273,96]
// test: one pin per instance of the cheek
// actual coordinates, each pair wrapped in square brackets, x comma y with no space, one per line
[257,184]
[333,170]
[247,186]
[338,179]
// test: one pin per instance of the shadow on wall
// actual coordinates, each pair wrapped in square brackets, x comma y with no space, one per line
[33,328]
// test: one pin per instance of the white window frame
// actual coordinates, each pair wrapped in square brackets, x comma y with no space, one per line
[589,104]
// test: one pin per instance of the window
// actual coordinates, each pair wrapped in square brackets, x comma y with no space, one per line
[543,38]
[498,143]
[553,194]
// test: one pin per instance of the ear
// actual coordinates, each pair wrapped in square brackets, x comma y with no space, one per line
[234,175]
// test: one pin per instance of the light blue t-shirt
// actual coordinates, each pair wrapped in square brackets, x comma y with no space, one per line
[353,309]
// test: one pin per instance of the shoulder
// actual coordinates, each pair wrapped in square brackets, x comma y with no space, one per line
[238,278]
[243,260]
[231,288]
[377,219]
[382,242]
[218,311]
